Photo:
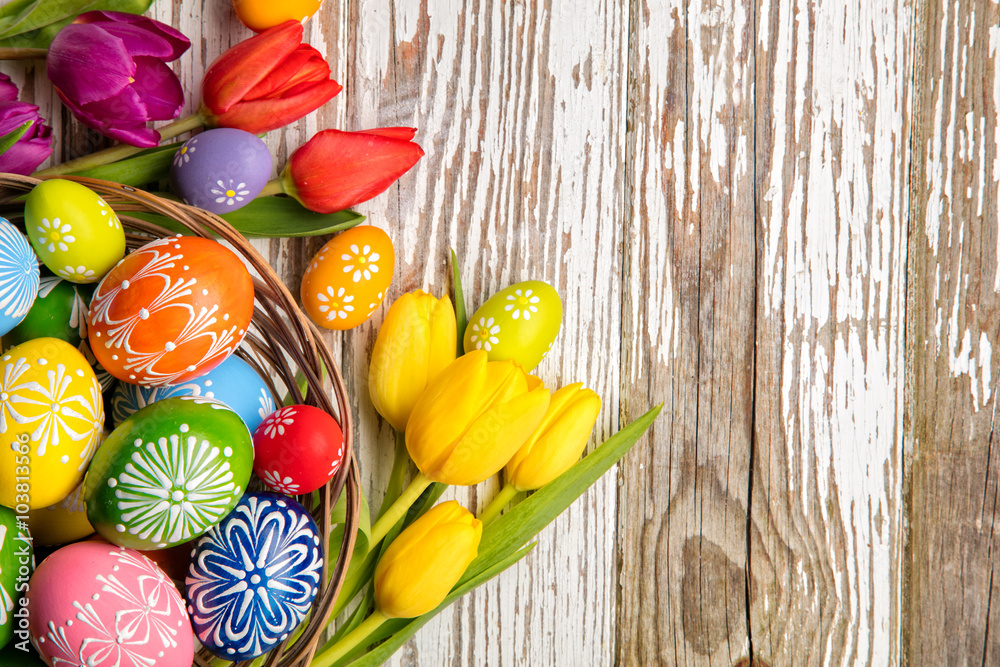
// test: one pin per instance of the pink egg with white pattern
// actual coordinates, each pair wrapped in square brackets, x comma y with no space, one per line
[97,604]
[297,449]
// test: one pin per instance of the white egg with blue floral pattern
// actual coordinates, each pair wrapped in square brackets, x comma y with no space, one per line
[18,276]
[220,170]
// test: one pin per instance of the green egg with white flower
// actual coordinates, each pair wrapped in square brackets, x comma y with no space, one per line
[73,230]
[520,322]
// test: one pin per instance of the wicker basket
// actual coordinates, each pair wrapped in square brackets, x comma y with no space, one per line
[284,342]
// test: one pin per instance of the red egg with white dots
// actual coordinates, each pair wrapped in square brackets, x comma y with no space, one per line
[297,449]
[171,311]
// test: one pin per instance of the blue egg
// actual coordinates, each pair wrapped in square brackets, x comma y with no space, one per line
[233,382]
[18,276]
[254,576]
[220,170]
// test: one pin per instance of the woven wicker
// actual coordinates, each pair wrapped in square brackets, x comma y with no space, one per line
[283,342]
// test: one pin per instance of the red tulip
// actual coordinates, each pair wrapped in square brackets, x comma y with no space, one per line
[336,170]
[266,82]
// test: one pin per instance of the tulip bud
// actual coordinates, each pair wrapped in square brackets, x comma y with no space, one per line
[110,69]
[35,146]
[471,419]
[416,342]
[558,441]
[266,82]
[336,170]
[424,563]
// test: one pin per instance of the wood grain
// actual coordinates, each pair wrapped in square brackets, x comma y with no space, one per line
[688,332]
[953,327]
[831,164]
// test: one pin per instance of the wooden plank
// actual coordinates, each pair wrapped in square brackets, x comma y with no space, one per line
[688,332]
[832,165]
[519,107]
[954,274]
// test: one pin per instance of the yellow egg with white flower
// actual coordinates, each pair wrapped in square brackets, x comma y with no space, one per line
[73,230]
[346,281]
[520,322]
[51,417]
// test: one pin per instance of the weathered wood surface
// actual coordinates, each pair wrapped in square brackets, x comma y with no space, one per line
[778,217]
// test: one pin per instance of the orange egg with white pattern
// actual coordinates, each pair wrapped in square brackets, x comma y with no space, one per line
[346,281]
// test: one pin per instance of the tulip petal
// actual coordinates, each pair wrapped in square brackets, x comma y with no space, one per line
[235,73]
[121,117]
[401,133]
[140,40]
[31,149]
[491,440]
[157,86]
[88,64]
[336,170]
[8,91]
[302,69]
[266,115]
[177,41]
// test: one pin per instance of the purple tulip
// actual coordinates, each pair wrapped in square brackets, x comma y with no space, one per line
[35,146]
[110,69]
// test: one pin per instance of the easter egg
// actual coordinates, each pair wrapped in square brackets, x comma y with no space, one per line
[172,310]
[93,603]
[347,280]
[234,382]
[519,323]
[297,449]
[254,576]
[220,170]
[51,414]
[18,276]
[16,562]
[259,15]
[59,311]
[73,230]
[168,473]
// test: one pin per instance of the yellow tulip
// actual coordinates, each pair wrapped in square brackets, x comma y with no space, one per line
[417,341]
[472,418]
[558,441]
[425,562]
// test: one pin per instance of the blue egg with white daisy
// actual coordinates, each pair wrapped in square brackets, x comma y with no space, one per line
[233,382]
[18,276]
[220,170]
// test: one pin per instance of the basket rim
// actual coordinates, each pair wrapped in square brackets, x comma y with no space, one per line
[276,316]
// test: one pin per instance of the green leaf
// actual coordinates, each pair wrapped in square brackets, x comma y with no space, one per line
[357,616]
[34,23]
[269,217]
[527,518]
[9,139]
[461,318]
[398,631]
[149,166]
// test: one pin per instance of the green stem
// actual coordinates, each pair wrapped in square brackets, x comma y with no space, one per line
[355,580]
[492,510]
[273,187]
[398,509]
[351,641]
[23,54]
[122,151]
[399,465]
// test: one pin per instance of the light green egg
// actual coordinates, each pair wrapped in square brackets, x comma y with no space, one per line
[16,562]
[73,231]
[519,323]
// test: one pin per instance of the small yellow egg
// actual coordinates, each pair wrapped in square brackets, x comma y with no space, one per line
[259,15]
[519,323]
[346,281]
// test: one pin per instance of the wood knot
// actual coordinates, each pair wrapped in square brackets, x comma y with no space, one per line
[713,594]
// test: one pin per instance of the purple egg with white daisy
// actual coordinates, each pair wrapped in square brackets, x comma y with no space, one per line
[220,170]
